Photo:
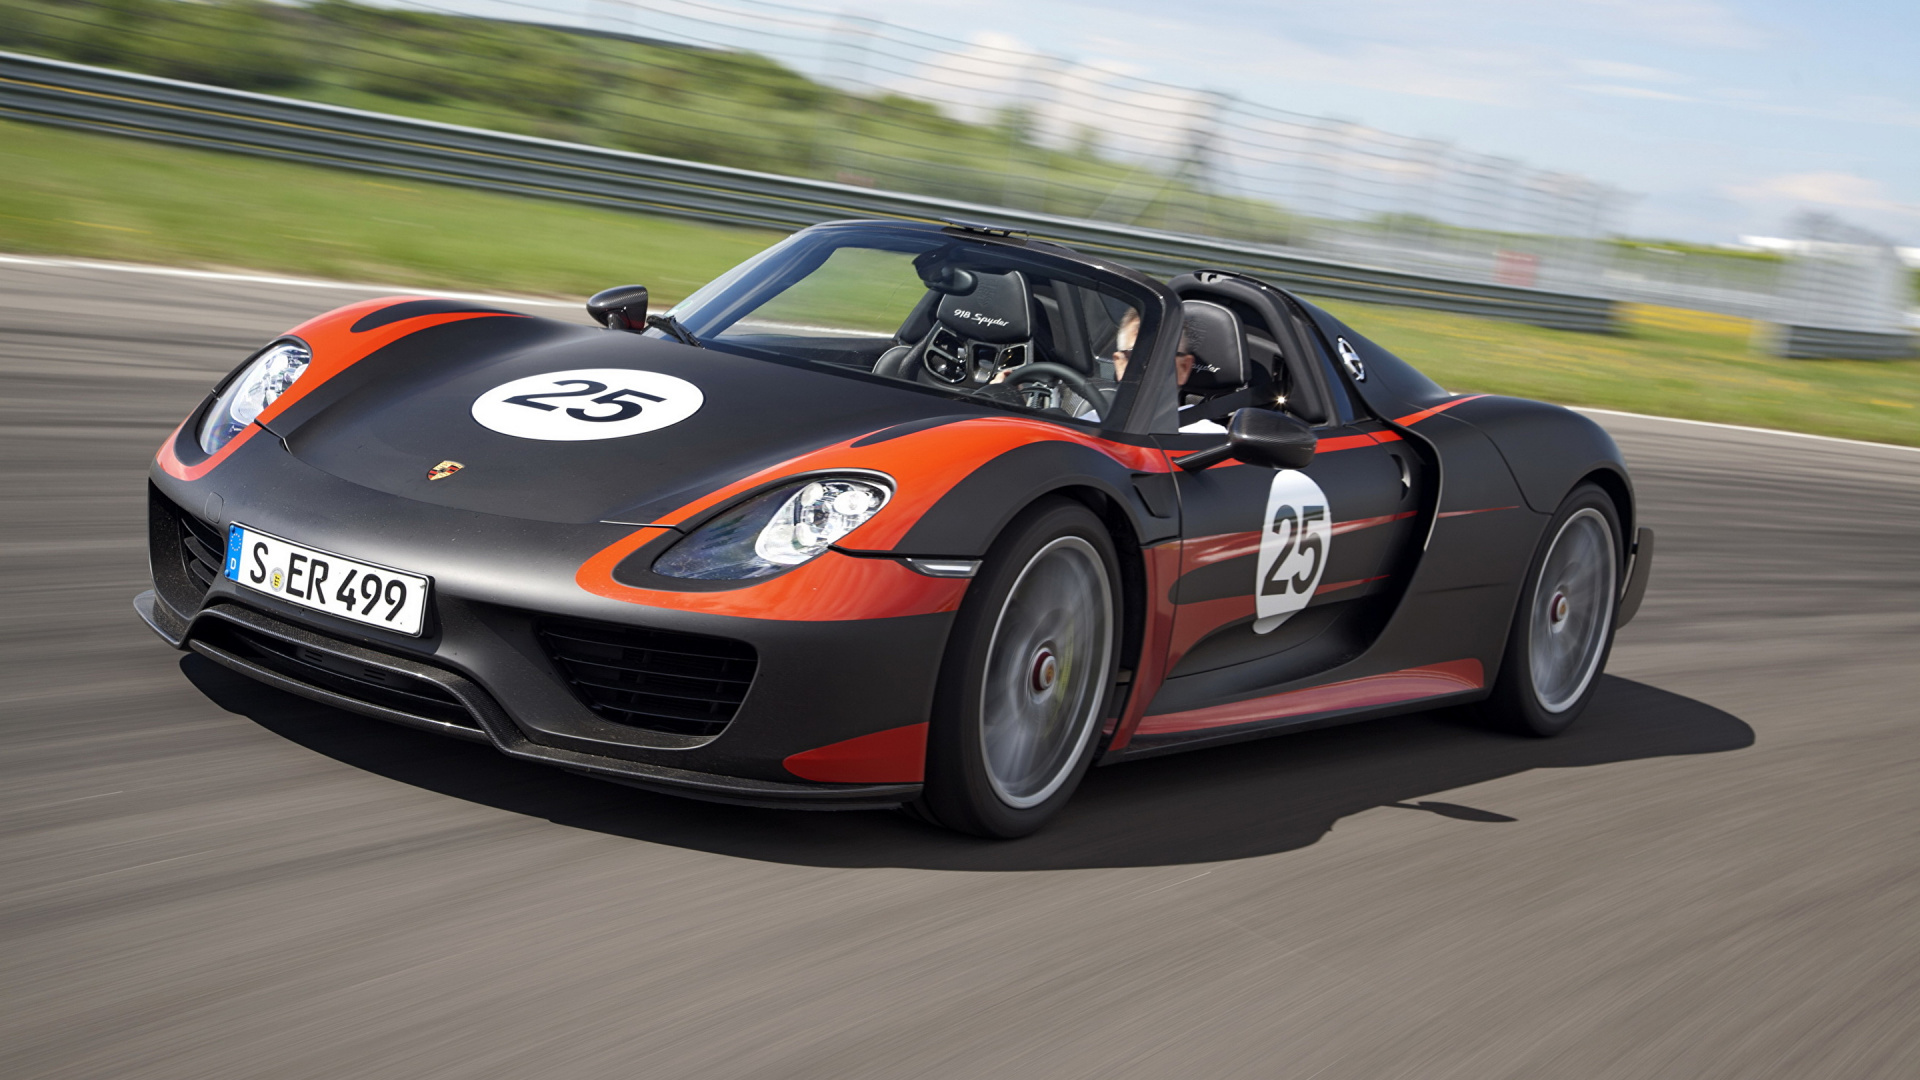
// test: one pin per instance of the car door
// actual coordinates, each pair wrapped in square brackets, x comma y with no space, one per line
[1287,573]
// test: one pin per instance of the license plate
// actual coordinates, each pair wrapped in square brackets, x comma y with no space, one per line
[364,592]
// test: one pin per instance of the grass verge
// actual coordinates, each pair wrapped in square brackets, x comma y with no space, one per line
[101,196]
[1669,362]
[98,196]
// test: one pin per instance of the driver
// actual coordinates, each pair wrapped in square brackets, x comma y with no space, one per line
[1193,413]
[1129,333]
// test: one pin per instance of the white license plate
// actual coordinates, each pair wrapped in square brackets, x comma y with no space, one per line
[375,595]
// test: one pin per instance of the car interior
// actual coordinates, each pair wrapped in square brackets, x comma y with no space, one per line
[976,328]
[1236,329]
[1032,335]
[975,320]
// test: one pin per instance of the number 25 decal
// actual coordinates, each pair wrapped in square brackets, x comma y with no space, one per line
[1293,548]
[589,403]
[624,407]
[1291,524]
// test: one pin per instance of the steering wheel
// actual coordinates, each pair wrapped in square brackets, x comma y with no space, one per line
[1042,370]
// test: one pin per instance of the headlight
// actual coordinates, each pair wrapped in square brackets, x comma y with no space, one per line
[248,395]
[771,532]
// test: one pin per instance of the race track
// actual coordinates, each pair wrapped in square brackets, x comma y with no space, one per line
[1715,874]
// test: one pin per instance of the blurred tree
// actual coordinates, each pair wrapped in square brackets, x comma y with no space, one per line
[1016,124]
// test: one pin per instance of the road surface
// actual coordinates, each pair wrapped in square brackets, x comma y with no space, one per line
[1715,874]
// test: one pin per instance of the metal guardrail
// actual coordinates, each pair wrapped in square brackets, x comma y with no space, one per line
[97,99]
[1823,343]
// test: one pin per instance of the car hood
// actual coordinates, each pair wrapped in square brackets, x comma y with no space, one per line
[392,417]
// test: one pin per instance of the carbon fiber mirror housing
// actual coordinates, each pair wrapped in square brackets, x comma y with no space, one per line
[623,307]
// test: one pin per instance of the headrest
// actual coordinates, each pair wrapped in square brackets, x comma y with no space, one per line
[998,309]
[1212,334]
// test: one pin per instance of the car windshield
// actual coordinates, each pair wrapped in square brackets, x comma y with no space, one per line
[933,308]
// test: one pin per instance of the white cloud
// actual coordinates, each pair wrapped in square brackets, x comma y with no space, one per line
[1695,23]
[1506,53]
[1837,190]
[1686,22]
[1481,76]
[1639,73]
[994,70]
[1644,93]
[1881,110]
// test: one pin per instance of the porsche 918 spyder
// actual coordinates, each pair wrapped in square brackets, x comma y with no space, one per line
[892,514]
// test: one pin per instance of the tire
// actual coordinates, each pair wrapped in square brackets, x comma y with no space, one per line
[1028,671]
[1564,621]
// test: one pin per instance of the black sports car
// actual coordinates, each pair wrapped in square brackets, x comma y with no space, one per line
[890,514]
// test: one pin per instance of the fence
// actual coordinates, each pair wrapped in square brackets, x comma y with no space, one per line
[982,128]
[864,103]
[56,92]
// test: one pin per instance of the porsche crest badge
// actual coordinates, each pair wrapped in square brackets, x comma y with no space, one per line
[444,470]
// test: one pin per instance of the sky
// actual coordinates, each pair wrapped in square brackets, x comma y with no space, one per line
[1721,118]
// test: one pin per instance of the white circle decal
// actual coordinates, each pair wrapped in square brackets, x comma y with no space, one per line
[590,403]
[1293,548]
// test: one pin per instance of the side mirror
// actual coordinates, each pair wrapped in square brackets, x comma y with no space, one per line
[1262,437]
[623,307]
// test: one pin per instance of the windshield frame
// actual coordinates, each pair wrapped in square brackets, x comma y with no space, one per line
[710,311]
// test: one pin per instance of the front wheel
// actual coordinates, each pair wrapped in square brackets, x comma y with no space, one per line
[1026,676]
[1563,627]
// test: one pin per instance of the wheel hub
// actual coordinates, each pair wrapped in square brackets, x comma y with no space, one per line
[1557,611]
[1046,670]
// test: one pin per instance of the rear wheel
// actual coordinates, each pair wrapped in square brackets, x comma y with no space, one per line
[1026,677]
[1563,627]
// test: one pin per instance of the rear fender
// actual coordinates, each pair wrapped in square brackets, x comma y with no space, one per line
[1550,449]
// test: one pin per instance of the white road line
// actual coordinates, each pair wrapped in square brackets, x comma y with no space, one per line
[1742,427]
[109,873]
[264,279]
[1171,884]
[83,798]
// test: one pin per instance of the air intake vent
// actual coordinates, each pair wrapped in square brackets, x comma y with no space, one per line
[341,674]
[204,551]
[660,680]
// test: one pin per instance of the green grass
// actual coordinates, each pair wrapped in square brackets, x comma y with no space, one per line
[855,289]
[72,193]
[1668,363]
[99,196]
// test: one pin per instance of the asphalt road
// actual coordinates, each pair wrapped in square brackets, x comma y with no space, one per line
[1716,874]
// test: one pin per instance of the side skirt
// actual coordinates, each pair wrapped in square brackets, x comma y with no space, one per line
[1344,702]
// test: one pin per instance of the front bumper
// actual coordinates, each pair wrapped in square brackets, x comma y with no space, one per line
[481,672]
[487,722]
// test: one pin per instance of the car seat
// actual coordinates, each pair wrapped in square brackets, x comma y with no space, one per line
[985,326]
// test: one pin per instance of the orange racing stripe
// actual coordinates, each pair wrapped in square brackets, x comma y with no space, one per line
[335,349]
